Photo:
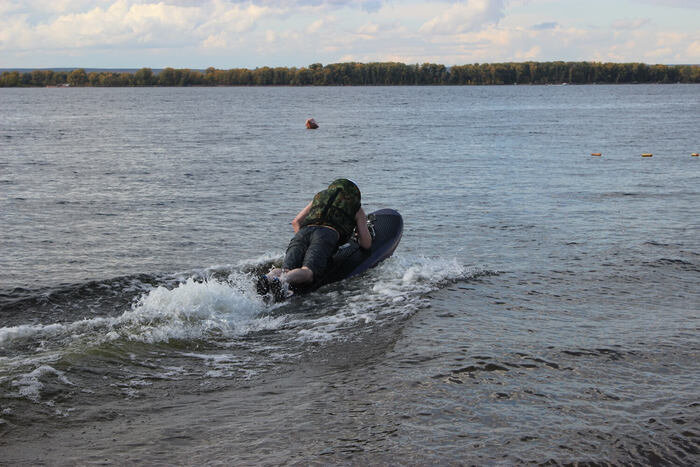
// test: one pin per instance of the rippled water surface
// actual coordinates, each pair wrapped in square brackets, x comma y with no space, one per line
[543,305]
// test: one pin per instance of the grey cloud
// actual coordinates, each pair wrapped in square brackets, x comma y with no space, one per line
[544,26]
[368,5]
[630,23]
[695,4]
[372,5]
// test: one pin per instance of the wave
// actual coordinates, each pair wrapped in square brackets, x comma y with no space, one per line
[213,323]
[221,301]
[69,302]
[188,310]
[31,385]
[396,289]
[195,310]
[673,263]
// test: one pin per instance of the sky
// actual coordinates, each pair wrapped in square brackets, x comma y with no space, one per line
[251,33]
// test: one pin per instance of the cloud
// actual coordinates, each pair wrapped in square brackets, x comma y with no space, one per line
[372,5]
[694,4]
[366,5]
[370,29]
[234,18]
[630,23]
[35,25]
[50,7]
[465,16]
[531,54]
[543,26]
[321,24]
[215,41]
[120,23]
[657,53]
[131,23]
[231,33]
[693,51]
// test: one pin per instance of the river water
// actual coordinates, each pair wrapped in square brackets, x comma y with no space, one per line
[543,305]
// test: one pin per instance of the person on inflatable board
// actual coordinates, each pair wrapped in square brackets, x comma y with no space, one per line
[327,222]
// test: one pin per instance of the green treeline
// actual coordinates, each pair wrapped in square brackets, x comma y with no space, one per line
[370,74]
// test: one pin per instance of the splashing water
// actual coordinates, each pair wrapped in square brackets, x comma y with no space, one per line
[216,310]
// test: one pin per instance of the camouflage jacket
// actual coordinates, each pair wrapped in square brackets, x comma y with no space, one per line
[336,207]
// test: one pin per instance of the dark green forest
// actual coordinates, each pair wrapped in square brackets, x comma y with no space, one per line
[369,74]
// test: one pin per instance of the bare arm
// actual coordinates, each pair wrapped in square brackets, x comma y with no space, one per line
[296,222]
[363,236]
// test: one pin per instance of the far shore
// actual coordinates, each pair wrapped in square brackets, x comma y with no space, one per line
[364,74]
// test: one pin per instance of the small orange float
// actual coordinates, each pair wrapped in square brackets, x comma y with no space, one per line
[597,154]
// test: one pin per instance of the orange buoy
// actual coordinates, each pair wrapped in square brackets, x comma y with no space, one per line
[597,154]
[695,154]
[311,124]
[647,154]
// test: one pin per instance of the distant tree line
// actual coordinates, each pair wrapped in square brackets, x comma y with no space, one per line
[370,74]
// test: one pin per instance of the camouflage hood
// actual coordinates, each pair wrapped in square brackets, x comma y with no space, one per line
[348,187]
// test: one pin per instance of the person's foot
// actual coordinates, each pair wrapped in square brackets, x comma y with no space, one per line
[272,288]
[262,284]
[278,290]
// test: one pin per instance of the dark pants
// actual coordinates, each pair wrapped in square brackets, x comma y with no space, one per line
[313,246]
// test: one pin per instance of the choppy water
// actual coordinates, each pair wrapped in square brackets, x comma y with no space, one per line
[543,305]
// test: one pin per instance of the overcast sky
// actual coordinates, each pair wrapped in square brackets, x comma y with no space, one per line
[237,33]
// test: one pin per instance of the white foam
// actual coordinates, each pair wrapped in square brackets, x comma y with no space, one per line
[397,288]
[171,372]
[213,358]
[191,310]
[45,332]
[260,260]
[30,386]
[139,383]
[194,310]
[316,335]
[432,271]
[218,310]
[23,331]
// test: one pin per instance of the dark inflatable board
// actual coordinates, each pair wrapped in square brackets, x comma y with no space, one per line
[351,260]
